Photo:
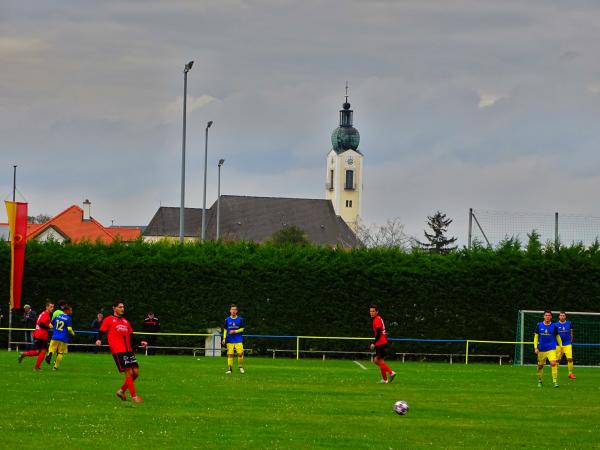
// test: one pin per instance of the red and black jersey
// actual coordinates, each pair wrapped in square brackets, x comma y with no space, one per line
[42,325]
[118,331]
[379,331]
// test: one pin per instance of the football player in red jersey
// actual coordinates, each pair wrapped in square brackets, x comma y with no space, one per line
[380,345]
[40,336]
[119,334]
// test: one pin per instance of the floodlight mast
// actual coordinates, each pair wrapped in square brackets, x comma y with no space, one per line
[221,162]
[203,233]
[186,69]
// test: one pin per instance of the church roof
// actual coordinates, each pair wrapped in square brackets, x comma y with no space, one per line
[257,218]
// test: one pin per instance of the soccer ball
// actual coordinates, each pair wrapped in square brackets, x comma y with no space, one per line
[401,407]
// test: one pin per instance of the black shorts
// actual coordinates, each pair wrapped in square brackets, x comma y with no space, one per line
[40,344]
[125,360]
[380,350]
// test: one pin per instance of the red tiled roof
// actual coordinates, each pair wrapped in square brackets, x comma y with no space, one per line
[125,233]
[71,223]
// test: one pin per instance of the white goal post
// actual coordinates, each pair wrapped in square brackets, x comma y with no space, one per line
[586,336]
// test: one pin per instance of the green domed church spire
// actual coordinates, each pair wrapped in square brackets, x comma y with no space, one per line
[345,137]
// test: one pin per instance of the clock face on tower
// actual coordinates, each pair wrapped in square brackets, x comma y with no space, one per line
[350,161]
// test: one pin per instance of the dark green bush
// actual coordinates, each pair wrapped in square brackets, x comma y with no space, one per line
[307,290]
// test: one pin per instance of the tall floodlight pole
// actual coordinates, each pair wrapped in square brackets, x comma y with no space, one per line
[12,238]
[203,236]
[221,161]
[186,69]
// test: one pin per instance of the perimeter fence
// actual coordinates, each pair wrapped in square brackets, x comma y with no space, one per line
[490,228]
[464,351]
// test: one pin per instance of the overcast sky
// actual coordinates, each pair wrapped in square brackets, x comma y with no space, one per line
[463,103]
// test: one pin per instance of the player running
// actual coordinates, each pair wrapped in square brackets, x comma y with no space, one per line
[62,326]
[120,335]
[566,335]
[57,311]
[40,336]
[380,346]
[233,336]
[544,345]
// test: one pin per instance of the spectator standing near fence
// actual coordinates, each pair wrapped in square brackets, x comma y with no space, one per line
[565,330]
[233,336]
[380,346]
[40,336]
[95,329]
[151,325]
[29,319]
[545,340]
[120,336]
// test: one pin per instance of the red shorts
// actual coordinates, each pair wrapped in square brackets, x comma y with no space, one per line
[380,350]
[41,344]
[125,360]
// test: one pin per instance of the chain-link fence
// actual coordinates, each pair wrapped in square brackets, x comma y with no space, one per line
[492,227]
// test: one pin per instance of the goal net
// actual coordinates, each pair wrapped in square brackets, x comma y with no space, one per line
[586,337]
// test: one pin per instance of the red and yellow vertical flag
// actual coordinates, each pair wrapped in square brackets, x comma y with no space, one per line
[17,223]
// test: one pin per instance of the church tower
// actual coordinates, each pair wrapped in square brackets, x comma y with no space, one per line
[344,169]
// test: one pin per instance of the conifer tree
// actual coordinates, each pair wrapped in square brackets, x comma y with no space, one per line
[437,241]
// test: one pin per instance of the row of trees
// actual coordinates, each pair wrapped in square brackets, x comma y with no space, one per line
[311,290]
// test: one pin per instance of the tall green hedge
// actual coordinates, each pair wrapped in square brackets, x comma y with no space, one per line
[311,290]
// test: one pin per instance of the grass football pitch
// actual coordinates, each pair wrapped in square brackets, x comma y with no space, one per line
[283,403]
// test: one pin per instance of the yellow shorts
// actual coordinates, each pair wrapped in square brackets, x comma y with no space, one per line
[550,355]
[566,350]
[239,348]
[58,347]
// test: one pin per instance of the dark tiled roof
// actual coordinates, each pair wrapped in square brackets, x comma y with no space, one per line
[256,219]
[166,222]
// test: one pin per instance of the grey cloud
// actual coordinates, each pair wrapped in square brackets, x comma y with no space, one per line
[91,108]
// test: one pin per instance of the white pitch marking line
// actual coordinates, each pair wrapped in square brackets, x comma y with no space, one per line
[360,365]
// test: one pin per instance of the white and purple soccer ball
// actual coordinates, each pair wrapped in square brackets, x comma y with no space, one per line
[401,407]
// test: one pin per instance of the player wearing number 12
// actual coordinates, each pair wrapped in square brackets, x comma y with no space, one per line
[545,339]
[233,336]
[60,337]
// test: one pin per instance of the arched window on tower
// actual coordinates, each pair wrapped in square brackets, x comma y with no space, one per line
[331,182]
[349,180]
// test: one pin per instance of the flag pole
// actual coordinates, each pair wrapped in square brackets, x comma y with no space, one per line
[12,237]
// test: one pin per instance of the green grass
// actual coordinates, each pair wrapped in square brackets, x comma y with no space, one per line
[283,403]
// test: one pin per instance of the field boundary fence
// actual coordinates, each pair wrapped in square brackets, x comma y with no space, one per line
[490,228]
[297,346]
